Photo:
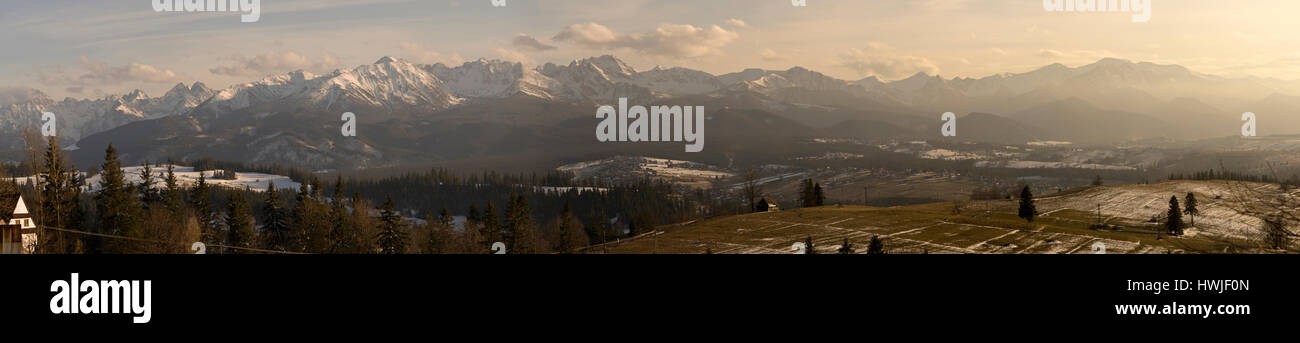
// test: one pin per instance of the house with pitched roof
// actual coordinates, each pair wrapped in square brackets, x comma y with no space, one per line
[17,228]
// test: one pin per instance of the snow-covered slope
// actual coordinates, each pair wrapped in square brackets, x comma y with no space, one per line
[493,79]
[389,83]
[77,118]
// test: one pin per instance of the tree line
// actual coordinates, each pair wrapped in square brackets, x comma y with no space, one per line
[527,213]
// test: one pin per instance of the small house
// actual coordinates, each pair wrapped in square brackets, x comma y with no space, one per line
[17,228]
[766,205]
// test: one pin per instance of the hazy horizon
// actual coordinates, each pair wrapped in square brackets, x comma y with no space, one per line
[88,49]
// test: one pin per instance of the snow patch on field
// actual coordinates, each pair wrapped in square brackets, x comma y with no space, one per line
[950,155]
[1047,165]
[187,177]
[1141,202]
[647,165]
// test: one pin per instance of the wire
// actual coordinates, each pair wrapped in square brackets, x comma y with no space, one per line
[162,242]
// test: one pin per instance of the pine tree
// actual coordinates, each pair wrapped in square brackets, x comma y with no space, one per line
[364,225]
[239,224]
[571,233]
[344,237]
[203,205]
[446,218]
[148,193]
[1027,209]
[119,211]
[876,247]
[433,244]
[275,227]
[59,199]
[300,219]
[491,229]
[819,199]
[1191,210]
[806,194]
[474,215]
[846,248]
[1174,220]
[172,192]
[521,227]
[391,237]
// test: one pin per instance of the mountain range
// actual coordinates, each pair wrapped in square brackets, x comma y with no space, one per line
[491,110]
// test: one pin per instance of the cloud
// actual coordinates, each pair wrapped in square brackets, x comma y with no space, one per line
[525,42]
[1049,53]
[419,54]
[514,56]
[1077,56]
[100,73]
[668,40]
[737,23]
[880,60]
[10,95]
[274,63]
[769,55]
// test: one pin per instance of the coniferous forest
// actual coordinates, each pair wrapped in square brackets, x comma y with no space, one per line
[433,212]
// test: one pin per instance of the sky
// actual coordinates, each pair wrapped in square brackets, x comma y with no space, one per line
[88,49]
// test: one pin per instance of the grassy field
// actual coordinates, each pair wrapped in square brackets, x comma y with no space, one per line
[971,227]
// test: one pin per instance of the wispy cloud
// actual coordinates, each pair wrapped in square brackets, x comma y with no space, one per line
[274,63]
[882,61]
[669,40]
[528,43]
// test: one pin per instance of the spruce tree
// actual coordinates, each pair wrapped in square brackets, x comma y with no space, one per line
[1027,209]
[1191,210]
[433,244]
[275,227]
[344,236]
[59,197]
[172,192]
[391,237]
[239,225]
[203,205]
[300,219]
[446,218]
[1174,220]
[119,211]
[521,227]
[491,229]
[846,248]
[876,247]
[571,233]
[474,215]
[819,199]
[148,193]
[806,194]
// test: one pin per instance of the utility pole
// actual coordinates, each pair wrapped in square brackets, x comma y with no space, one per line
[865,199]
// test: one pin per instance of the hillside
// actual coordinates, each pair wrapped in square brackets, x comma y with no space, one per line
[980,227]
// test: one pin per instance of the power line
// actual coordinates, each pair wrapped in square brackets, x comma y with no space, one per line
[162,242]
